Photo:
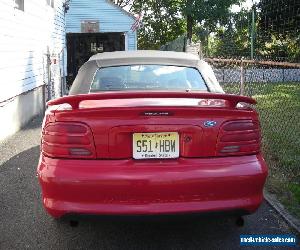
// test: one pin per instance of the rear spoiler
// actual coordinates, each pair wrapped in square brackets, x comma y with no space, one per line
[74,100]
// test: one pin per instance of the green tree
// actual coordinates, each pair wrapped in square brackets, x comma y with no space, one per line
[279,30]
[233,39]
[162,22]
[207,13]
[165,20]
[124,3]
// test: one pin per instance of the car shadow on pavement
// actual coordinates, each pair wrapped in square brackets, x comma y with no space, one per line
[25,224]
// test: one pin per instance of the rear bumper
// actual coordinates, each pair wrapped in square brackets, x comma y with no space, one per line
[132,187]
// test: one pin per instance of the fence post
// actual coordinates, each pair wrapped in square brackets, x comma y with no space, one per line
[242,85]
[223,76]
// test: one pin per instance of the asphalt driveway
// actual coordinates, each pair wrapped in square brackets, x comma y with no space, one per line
[25,225]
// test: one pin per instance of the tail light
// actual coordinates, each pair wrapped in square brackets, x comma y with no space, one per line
[239,137]
[68,140]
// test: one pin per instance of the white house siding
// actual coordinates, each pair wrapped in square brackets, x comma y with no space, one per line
[25,39]
[111,18]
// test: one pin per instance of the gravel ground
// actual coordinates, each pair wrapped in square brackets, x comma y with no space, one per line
[25,225]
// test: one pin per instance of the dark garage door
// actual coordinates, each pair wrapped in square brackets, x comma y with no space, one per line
[81,46]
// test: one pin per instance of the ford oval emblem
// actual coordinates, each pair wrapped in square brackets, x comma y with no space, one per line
[209,124]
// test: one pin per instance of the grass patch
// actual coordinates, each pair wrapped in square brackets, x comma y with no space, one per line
[279,109]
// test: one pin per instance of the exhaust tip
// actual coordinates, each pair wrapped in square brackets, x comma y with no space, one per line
[240,221]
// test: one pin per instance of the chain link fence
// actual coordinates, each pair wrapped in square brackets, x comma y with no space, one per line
[265,43]
[269,30]
[276,87]
[256,52]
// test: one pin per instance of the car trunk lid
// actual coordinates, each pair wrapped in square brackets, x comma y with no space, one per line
[114,118]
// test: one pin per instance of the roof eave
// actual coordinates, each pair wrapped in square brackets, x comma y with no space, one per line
[120,8]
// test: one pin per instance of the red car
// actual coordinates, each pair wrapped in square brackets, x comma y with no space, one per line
[148,133]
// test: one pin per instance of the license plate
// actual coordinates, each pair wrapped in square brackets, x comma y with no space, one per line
[155,145]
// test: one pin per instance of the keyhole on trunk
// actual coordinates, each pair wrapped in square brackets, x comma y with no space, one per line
[187,138]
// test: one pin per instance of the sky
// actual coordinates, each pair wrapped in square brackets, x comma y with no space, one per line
[235,8]
[247,4]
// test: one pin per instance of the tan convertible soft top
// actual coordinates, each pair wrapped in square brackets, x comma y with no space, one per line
[86,73]
[145,57]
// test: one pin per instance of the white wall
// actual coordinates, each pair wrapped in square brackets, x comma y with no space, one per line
[20,110]
[25,38]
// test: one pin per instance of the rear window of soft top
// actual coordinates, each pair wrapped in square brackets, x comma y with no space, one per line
[147,77]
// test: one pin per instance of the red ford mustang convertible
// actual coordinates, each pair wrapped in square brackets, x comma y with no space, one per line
[148,133]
